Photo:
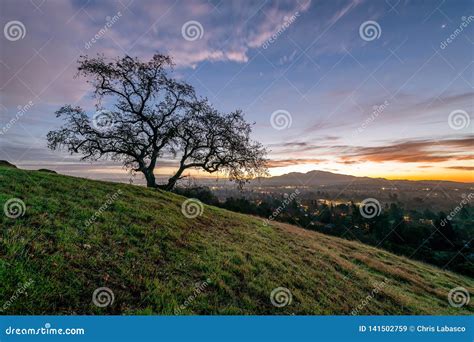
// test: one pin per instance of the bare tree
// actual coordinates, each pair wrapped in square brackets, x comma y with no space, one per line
[152,115]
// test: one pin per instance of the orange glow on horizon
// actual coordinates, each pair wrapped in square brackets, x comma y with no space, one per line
[392,171]
[453,177]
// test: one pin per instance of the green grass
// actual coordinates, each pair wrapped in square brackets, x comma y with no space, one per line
[153,258]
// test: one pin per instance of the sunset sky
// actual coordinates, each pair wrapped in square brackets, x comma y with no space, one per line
[322,92]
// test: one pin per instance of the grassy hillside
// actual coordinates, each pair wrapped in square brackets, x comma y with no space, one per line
[140,245]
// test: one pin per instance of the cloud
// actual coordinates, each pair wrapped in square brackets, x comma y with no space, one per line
[331,137]
[414,151]
[292,162]
[293,147]
[461,168]
[339,14]
[299,144]
[43,64]
[229,30]
[430,109]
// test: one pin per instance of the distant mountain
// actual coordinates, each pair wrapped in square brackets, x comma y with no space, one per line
[310,178]
[324,178]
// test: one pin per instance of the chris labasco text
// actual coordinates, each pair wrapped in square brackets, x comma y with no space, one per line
[439,328]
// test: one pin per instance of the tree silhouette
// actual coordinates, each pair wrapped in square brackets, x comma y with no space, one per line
[152,115]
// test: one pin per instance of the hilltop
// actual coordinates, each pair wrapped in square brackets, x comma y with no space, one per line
[77,235]
[4,163]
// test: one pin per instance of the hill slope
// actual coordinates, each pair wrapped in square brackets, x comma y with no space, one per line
[155,260]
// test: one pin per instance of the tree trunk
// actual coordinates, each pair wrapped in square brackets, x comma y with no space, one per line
[171,183]
[150,178]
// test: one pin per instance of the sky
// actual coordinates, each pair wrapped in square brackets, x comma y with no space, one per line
[361,87]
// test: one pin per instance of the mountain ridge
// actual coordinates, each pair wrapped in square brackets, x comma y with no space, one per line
[332,178]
